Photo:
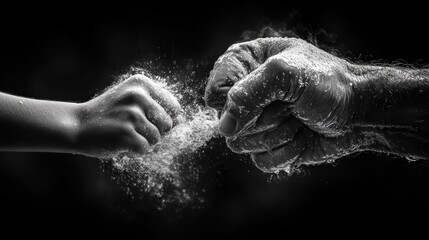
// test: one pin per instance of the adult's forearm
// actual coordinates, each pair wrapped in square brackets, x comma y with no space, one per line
[391,109]
[37,125]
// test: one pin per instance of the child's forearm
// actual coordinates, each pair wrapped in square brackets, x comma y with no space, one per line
[37,125]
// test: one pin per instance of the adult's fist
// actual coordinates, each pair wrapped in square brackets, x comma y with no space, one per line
[285,101]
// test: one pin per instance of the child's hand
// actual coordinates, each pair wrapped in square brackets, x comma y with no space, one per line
[126,119]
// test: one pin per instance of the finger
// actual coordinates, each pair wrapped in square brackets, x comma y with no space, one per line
[267,140]
[139,96]
[161,95]
[238,61]
[216,90]
[157,115]
[167,100]
[231,67]
[148,130]
[138,147]
[313,153]
[283,157]
[271,117]
[328,149]
[272,81]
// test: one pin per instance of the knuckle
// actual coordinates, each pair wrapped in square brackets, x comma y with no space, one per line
[137,79]
[276,63]
[168,124]
[243,47]
[132,114]
[176,108]
[132,95]
[246,46]
[155,135]
[171,101]
[234,47]
[278,66]
[243,50]
[125,132]
[163,121]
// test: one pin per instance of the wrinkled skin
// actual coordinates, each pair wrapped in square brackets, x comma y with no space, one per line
[284,101]
[126,119]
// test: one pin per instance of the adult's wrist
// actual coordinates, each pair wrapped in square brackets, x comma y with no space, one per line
[391,109]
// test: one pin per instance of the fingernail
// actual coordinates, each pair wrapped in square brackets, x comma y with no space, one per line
[228,123]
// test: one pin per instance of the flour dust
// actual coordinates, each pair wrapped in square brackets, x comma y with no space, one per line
[169,171]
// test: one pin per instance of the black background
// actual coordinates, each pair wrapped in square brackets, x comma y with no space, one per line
[70,53]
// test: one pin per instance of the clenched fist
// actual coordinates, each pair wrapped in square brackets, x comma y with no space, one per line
[288,102]
[126,119]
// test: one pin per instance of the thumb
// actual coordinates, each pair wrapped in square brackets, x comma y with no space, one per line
[274,80]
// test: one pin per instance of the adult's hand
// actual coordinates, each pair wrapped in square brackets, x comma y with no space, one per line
[286,102]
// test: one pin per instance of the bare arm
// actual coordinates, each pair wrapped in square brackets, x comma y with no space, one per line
[392,106]
[37,125]
[125,119]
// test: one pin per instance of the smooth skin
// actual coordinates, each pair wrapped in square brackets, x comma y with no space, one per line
[287,102]
[126,119]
